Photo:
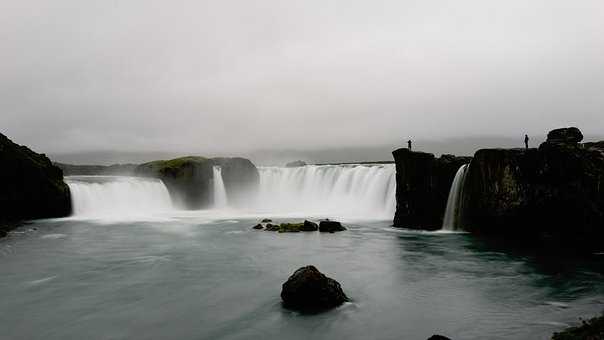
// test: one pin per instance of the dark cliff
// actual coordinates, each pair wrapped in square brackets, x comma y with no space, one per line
[554,193]
[32,187]
[241,179]
[422,187]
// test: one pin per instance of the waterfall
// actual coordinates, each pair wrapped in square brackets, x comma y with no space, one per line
[453,210]
[220,196]
[359,191]
[102,196]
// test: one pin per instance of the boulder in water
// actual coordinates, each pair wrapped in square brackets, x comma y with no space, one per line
[328,226]
[272,227]
[438,337]
[267,220]
[309,290]
[309,226]
[258,226]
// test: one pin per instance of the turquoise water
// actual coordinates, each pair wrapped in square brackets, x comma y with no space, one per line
[195,277]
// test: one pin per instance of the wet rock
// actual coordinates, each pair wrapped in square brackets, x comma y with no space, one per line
[309,226]
[330,226]
[241,179]
[309,290]
[267,220]
[272,227]
[438,337]
[258,226]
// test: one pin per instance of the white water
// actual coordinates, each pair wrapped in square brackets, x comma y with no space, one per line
[339,191]
[453,211]
[220,196]
[355,191]
[106,196]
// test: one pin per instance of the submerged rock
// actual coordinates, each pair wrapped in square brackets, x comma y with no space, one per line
[30,185]
[330,226]
[309,290]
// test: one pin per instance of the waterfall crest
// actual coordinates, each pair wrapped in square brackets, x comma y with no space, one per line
[101,196]
[220,196]
[453,210]
[359,191]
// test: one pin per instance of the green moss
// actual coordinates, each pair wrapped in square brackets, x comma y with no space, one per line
[589,330]
[291,227]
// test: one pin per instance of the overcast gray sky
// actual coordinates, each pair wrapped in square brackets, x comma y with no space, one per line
[240,75]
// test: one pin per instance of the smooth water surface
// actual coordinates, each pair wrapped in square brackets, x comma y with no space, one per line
[193,277]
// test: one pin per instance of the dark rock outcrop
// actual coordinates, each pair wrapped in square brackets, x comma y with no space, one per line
[327,226]
[570,135]
[241,179]
[422,187]
[32,187]
[309,290]
[553,194]
[258,227]
[188,179]
[90,170]
[588,330]
[295,164]
[438,337]
[310,226]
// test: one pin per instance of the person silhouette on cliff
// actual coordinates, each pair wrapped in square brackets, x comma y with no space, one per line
[409,144]
[526,140]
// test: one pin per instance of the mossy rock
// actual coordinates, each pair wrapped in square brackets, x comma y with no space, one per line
[188,179]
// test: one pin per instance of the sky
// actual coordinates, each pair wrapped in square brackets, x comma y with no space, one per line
[235,76]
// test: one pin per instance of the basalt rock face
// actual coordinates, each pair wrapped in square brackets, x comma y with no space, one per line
[188,179]
[422,187]
[554,194]
[241,179]
[31,186]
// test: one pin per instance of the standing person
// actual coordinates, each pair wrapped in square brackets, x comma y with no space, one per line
[409,144]
[526,140]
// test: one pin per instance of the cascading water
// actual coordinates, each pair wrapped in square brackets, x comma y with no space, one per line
[220,196]
[453,210]
[358,191]
[106,196]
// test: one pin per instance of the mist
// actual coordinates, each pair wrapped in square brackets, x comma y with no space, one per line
[235,77]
